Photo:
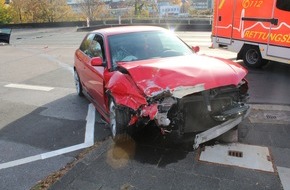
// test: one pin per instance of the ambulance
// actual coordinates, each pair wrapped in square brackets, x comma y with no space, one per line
[258,30]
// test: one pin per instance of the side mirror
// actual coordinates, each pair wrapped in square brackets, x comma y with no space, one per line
[97,61]
[195,48]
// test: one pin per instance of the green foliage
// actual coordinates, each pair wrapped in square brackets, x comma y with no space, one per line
[5,13]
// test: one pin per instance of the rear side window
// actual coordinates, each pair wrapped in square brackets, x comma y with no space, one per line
[283,5]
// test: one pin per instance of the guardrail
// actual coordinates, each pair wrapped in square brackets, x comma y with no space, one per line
[197,22]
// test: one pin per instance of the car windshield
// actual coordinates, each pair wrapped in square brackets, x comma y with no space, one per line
[146,45]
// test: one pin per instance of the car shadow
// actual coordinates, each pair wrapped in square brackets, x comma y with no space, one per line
[148,146]
[271,67]
[62,123]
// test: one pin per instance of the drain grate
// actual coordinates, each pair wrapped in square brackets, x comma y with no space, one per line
[271,117]
[235,153]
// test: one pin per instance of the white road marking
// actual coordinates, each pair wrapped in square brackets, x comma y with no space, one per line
[284,174]
[29,87]
[89,135]
[52,59]
[252,157]
[60,63]
[89,141]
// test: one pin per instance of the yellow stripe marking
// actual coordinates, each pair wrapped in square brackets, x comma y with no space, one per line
[221,4]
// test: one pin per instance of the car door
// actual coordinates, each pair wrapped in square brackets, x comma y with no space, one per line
[82,60]
[279,37]
[224,21]
[95,74]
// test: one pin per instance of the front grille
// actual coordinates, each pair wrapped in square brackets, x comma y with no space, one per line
[196,114]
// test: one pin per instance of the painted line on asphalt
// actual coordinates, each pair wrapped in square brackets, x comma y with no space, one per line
[60,63]
[284,174]
[65,66]
[88,141]
[89,135]
[29,87]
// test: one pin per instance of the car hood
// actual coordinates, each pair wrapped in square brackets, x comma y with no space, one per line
[183,75]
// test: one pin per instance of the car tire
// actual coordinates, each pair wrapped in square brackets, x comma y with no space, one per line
[252,57]
[78,84]
[119,119]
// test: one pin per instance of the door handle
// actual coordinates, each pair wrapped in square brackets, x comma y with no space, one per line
[271,20]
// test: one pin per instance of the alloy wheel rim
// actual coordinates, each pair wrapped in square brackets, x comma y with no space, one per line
[77,82]
[113,118]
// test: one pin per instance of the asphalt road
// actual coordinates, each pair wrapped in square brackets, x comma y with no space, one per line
[51,117]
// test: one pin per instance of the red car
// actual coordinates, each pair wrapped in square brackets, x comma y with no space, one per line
[137,74]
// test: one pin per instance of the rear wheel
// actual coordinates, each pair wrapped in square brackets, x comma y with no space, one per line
[252,57]
[119,119]
[78,84]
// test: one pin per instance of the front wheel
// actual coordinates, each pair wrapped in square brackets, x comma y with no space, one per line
[78,84]
[119,119]
[252,57]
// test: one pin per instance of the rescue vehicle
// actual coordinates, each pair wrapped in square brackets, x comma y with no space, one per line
[258,30]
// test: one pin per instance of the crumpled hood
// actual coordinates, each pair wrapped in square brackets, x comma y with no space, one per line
[183,75]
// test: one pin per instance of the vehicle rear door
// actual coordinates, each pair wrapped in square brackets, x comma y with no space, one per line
[279,37]
[224,12]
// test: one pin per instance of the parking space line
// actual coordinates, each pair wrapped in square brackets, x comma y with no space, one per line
[88,141]
[284,174]
[89,135]
[29,87]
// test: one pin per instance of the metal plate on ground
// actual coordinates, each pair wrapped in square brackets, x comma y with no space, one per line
[272,114]
[241,155]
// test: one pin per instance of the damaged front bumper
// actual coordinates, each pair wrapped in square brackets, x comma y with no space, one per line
[221,128]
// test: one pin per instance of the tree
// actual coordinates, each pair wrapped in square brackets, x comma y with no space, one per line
[19,7]
[5,13]
[141,6]
[92,9]
[51,10]
[41,10]
[176,2]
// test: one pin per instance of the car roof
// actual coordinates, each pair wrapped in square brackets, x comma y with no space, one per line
[126,29]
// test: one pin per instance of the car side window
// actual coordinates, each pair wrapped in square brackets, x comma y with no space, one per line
[98,49]
[283,5]
[93,46]
[86,43]
[95,49]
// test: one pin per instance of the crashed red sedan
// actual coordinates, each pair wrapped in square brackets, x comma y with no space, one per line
[137,74]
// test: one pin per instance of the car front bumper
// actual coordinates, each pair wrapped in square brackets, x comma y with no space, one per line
[219,129]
